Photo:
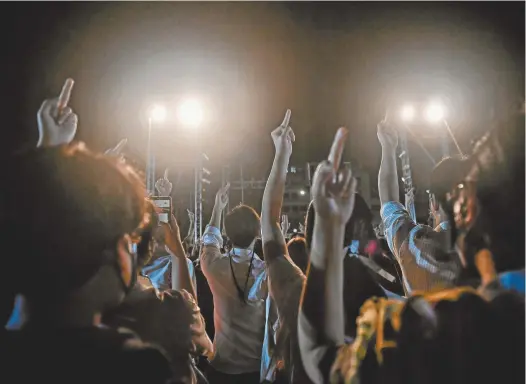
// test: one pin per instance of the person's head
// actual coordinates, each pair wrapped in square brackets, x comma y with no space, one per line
[444,176]
[359,228]
[486,204]
[76,212]
[242,226]
[297,248]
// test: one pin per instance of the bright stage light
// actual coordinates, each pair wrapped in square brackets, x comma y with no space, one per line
[407,113]
[302,192]
[190,113]
[158,113]
[434,113]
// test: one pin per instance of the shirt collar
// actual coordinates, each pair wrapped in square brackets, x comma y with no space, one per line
[241,253]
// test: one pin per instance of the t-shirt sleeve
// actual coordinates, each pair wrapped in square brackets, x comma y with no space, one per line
[212,244]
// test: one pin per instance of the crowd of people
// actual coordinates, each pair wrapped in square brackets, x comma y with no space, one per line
[102,290]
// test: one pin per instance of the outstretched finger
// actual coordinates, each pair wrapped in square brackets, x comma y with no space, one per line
[286,120]
[388,113]
[336,152]
[118,148]
[65,94]
[165,174]
[225,189]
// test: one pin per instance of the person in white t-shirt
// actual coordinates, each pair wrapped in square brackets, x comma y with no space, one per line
[238,282]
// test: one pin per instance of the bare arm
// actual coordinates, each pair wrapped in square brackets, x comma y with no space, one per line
[321,327]
[273,200]
[189,239]
[273,194]
[388,176]
[215,219]
[181,278]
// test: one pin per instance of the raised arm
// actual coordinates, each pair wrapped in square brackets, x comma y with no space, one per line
[181,278]
[283,137]
[189,239]
[321,321]
[212,239]
[388,176]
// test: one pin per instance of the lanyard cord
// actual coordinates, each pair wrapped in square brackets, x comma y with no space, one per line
[241,293]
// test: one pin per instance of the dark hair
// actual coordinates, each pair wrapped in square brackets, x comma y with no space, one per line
[69,207]
[497,167]
[297,248]
[361,215]
[242,226]
[446,174]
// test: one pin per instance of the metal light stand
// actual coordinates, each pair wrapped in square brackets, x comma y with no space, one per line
[200,173]
[407,178]
[150,163]
[198,203]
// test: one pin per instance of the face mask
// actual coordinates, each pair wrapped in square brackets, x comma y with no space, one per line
[133,278]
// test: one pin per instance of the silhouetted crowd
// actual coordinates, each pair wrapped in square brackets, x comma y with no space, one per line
[99,289]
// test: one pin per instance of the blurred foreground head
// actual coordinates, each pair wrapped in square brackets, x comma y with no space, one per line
[297,248]
[486,203]
[72,212]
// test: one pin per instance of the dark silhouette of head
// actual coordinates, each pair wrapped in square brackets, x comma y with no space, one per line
[242,226]
[297,248]
[359,227]
[75,212]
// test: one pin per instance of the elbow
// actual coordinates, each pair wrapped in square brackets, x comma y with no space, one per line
[310,358]
[311,353]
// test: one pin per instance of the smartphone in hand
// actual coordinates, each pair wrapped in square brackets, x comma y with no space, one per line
[163,206]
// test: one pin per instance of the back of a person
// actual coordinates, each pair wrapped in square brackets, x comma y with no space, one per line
[239,325]
[455,336]
[82,355]
[163,319]
[238,282]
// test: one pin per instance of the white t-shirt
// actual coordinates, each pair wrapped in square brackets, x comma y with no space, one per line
[239,326]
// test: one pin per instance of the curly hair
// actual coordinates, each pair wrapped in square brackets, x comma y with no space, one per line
[69,207]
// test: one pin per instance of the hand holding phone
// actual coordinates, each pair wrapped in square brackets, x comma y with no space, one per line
[163,206]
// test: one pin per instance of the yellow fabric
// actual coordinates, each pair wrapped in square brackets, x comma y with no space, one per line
[371,322]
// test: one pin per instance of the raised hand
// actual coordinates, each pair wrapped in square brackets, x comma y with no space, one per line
[302,228]
[222,197]
[387,133]
[191,216]
[333,188]
[285,225]
[283,136]
[57,123]
[172,236]
[163,185]
[117,150]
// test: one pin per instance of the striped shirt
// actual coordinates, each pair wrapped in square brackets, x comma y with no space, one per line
[421,251]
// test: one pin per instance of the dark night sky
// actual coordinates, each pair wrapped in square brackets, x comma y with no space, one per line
[332,63]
